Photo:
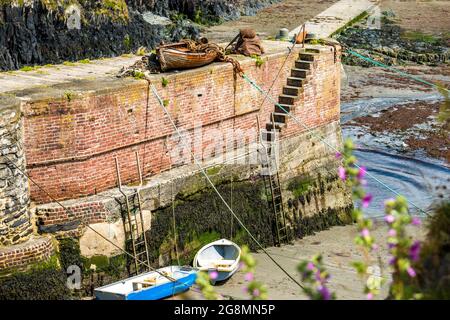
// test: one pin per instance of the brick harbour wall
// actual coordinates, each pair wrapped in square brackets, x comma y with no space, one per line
[19,256]
[71,141]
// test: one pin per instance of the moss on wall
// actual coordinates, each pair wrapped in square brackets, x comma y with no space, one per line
[202,217]
[42,281]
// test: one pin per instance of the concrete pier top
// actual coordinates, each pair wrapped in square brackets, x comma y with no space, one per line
[46,77]
[336,17]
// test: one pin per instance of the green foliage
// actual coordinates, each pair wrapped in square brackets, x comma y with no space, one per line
[299,186]
[258,60]
[164,82]
[69,95]
[418,36]
[203,281]
[214,170]
[138,75]
[68,63]
[141,51]
[46,284]
[127,42]
[29,68]
[400,247]
[363,15]
[255,289]
[70,253]
[166,102]
[315,278]
[432,269]
[116,10]
[85,61]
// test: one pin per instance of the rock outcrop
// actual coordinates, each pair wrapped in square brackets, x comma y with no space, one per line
[53,31]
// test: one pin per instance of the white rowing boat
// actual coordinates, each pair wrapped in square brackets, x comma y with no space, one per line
[222,256]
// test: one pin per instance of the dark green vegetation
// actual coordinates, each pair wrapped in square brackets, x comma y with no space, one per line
[390,44]
[47,280]
[433,269]
[202,217]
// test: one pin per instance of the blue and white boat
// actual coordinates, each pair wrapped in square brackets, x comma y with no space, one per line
[221,256]
[154,285]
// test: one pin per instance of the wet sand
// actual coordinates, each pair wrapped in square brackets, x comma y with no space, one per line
[338,250]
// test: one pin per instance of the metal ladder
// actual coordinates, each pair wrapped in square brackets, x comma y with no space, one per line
[133,223]
[273,187]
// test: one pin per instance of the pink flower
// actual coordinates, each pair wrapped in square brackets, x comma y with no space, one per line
[338,155]
[342,174]
[213,275]
[361,173]
[256,293]
[416,221]
[365,233]
[310,266]
[370,296]
[249,276]
[326,295]
[389,218]
[366,200]
[414,251]
[392,233]
[411,272]
[375,247]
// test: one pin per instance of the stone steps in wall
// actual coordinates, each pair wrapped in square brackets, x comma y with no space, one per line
[280,117]
[291,90]
[304,64]
[299,73]
[287,99]
[296,82]
[307,56]
[286,107]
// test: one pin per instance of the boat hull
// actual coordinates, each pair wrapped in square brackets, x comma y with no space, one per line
[156,292]
[175,59]
[221,257]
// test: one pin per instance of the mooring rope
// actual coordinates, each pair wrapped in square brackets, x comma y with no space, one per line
[310,130]
[182,140]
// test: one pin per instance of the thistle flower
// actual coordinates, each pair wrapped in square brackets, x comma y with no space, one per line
[416,221]
[361,173]
[389,218]
[411,272]
[414,251]
[365,232]
[366,200]
[310,266]
[342,174]
[213,275]
[325,293]
[249,276]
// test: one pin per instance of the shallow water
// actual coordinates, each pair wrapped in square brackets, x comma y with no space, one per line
[415,176]
[416,179]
